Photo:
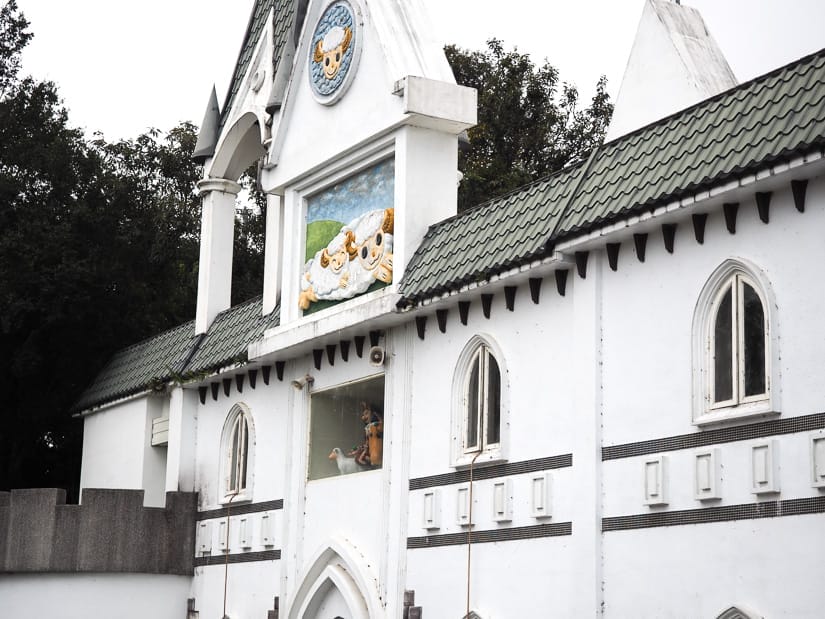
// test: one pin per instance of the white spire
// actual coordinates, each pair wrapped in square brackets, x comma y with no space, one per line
[674,63]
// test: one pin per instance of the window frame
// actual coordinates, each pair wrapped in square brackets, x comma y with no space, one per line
[325,391]
[481,349]
[733,274]
[239,417]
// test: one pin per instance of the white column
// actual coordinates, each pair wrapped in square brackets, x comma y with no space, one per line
[587,461]
[272,253]
[215,270]
[426,189]
[180,451]
[396,471]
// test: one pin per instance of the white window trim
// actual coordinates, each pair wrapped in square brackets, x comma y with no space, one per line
[226,494]
[705,411]
[295,200]
[487,453]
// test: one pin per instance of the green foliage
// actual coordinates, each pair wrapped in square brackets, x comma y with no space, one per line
[249,241]
[98,249]
[529,125]
[13,38]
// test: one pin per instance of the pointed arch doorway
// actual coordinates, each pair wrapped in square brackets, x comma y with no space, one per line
[337,587]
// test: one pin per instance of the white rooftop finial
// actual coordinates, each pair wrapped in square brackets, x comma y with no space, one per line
[674,63]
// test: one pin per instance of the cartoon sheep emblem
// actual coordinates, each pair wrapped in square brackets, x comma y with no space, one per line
[327,275]
[331,49]
[359,255]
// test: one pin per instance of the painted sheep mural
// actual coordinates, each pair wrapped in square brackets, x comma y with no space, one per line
[349,241]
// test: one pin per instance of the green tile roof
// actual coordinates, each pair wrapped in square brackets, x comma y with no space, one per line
[179,353]
[282,29]
[136,368]
[230,335]
[740,131]
[492,237]
[769,119]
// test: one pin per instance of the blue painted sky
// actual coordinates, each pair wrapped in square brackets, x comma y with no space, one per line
[369,190]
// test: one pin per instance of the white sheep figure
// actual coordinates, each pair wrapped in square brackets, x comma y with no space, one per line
[346,464]
[327,275]
[331,49]
[373,235]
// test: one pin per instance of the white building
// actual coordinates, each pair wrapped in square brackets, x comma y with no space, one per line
[599,395]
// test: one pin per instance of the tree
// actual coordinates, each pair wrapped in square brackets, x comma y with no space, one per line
[528,124]
[13,38]
[99,246]
[98,249]
[249,242]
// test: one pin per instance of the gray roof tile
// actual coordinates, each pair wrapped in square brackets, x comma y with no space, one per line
[771,118]
[137,368]
[735,133]
[178,353]
[283,19]
[230,335]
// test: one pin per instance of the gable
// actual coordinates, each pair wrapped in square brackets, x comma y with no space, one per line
[282,13]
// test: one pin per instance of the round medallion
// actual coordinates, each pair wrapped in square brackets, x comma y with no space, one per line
[334,51]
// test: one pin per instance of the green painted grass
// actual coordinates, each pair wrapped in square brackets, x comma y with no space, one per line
[319,234]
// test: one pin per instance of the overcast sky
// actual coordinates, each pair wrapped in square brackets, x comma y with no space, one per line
[125,66]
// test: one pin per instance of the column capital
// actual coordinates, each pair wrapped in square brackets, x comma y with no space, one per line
[222,185]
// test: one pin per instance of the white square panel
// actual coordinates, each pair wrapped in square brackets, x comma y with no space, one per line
[462,514]
[266,530]
[765,467]
[222,541]
[818,460]
[432,510]
[707,478]
[245,533]
[205,538]
[655,481]
[541,495]
[503,500]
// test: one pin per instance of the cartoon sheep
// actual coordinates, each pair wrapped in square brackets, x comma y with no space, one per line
[327,275]
[374,235]
[331,49]
[375,253]
[357,256]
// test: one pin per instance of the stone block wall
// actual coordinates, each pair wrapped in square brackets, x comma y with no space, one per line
[111,531]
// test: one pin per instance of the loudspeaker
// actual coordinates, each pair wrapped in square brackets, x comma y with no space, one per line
[377,356]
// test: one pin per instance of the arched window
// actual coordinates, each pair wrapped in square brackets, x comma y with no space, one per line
[237,446]
[739,337]
[482,402]
[736,346]
[479,404]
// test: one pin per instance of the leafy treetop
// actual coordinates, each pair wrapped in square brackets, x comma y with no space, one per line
[529,125]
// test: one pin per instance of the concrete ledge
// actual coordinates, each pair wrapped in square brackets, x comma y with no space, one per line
[110,532]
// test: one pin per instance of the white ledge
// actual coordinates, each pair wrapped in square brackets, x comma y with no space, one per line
[371,311]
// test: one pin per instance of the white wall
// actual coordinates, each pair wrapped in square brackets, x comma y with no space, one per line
[700,570]
[649,307]
[267,406]
[81,596]
[250,592]
[118,452]
[772,566]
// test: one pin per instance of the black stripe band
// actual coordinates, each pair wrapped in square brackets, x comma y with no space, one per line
[245,557]
[746,511]
[495,535]
[703,438]
[242,509]
[489,472]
